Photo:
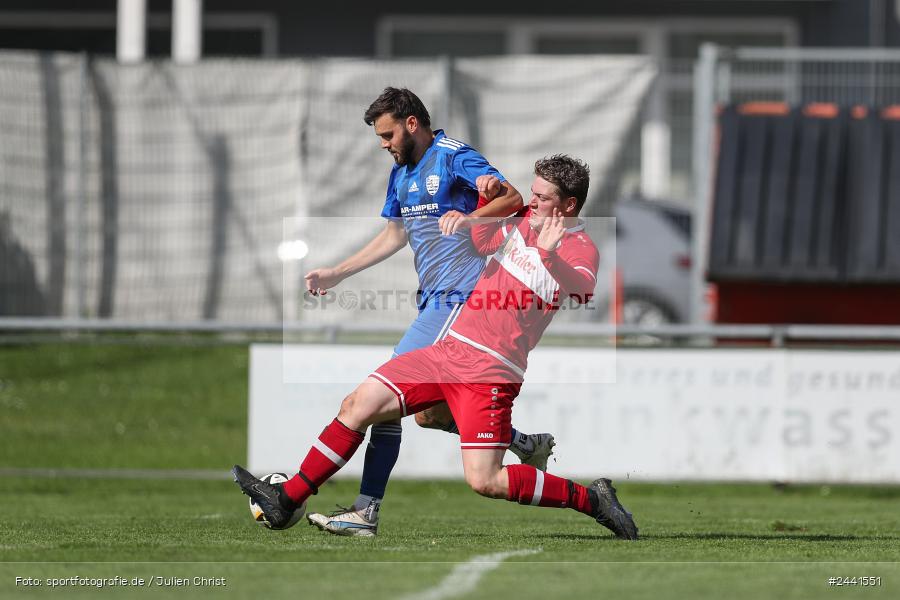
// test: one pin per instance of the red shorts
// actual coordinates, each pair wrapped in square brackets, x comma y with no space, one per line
[452,371]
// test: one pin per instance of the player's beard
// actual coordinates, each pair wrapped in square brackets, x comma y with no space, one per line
[405,149]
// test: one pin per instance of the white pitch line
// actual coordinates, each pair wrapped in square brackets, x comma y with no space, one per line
[465,576]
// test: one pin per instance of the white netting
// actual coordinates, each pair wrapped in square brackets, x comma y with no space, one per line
[161,192]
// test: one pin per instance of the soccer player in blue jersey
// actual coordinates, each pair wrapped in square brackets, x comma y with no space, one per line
[432,196]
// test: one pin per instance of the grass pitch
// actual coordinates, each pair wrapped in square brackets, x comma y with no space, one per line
[123,406]
[698,541]
[74,406]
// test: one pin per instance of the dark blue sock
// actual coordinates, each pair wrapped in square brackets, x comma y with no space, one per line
[381,456]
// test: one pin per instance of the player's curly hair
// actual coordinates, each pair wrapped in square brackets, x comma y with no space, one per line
[570,175]
[399,103]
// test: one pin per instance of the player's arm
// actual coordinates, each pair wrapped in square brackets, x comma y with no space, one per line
[388,241]
[495,199]
[576,275]
[502,199]
[487,233]
[472,170]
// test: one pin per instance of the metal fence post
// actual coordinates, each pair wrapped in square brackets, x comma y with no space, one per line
[81,198]
[704,117]
[298,226]
[445,107]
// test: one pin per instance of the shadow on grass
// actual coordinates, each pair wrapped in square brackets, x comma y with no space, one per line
[769,537]
[599,536]
[721,536]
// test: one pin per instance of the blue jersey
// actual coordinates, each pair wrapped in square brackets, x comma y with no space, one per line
[443,180]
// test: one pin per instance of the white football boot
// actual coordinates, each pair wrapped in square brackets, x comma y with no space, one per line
[345,521]
[534,449]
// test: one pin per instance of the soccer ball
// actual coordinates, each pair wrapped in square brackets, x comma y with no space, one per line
[257,512]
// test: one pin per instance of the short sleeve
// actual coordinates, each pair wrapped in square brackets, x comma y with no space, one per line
[391,208]
[469,165]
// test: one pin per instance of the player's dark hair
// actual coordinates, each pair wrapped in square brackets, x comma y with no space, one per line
[570,175]
[399,103]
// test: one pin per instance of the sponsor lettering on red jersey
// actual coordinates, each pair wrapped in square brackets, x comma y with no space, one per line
[522,287]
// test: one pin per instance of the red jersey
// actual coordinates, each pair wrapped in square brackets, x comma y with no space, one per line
[522,286]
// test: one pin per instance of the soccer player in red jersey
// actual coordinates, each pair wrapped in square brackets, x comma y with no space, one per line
[536,261]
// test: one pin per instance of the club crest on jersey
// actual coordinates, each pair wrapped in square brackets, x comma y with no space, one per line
[432,183]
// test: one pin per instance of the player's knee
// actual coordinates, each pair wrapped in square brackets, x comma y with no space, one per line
[484,484]
[354,410]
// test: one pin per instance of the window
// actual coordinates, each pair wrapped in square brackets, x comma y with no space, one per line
[570,44]
[687,44]
[249,33]
[459,43]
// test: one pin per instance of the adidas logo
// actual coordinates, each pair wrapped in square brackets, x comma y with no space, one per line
[413,187]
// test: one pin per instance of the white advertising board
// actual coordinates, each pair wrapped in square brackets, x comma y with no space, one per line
[712,414]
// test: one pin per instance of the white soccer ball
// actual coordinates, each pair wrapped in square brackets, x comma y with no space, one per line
[257,512]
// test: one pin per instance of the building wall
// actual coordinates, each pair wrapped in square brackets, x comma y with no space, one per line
[657,160]
[349,29]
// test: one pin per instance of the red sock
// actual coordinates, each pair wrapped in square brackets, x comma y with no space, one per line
[528,485]
[330,452]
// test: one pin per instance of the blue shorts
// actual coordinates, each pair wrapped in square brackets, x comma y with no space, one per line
[430,326]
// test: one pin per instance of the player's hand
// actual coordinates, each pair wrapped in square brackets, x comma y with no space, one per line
[552,232]
[318,281]
[453,221]
[488,186]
